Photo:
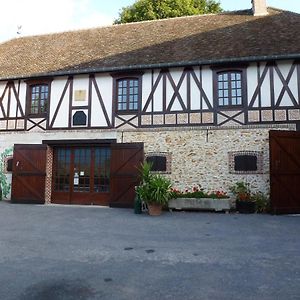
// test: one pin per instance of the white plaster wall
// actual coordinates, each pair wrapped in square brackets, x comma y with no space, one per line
[105,85]
[22,96]
[146,87]
[62,118]
[176,74]
[207,83]
[158,95]
[252,83]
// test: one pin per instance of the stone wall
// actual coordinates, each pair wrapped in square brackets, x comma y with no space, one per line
[201,156]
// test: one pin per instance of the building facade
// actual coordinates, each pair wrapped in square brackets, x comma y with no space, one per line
[195,95]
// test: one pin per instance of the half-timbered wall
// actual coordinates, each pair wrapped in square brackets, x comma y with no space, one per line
[169,97]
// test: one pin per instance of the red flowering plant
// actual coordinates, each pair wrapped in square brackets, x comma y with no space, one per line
[197,192]
[241,191]
[218,194]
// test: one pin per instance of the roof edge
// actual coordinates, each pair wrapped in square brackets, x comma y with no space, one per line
[158,66]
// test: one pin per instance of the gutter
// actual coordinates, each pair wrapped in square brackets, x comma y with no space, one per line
[159,66]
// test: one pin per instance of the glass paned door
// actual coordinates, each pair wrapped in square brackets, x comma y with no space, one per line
[82,170]
[81,174]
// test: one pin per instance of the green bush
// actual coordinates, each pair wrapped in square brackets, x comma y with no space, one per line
[262,202]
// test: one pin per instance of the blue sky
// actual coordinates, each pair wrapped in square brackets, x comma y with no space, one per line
[32,17]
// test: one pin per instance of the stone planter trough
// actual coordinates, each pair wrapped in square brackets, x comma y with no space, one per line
[202,204]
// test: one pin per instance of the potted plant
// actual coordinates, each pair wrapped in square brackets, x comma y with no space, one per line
[154,190]
[242,193]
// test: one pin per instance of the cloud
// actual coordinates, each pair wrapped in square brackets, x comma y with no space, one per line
[38,17]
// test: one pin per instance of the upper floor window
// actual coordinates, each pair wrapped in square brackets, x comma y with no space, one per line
[128,94]
[38,97]
[230,88]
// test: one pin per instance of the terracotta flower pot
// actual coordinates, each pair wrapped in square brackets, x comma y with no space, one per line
[154,209]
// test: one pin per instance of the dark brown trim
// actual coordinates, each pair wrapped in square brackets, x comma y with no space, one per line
[70,101]
[9,98]
[272,91]
[76,143]
[90,91]
[36,124]
[259,93]
[80,107]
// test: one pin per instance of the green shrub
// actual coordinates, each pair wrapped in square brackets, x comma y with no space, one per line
[262,202]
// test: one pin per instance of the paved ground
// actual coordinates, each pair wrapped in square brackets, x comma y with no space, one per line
[100,253]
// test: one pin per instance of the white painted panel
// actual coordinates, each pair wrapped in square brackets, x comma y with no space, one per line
[80,83]
[284,67]
[176,75]
[158,97]
[195,96]
[207,83]
[13,105]
[105,85]
[62,119]
[2,87]
[252,82]
[146,87]
[293,85]
[277,86]
[155,76]
[22,97]
[183,91]
[5,101]
[265,91]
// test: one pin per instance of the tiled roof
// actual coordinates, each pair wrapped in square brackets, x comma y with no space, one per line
[215,37]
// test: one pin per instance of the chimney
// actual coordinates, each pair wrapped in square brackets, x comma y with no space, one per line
[259,7]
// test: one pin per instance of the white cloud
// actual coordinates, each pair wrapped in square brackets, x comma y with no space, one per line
[38,17]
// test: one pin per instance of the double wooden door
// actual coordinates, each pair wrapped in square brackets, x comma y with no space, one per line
[102,174]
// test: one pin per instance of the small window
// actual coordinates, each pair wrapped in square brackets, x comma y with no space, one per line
[229,88]
[246,162]
[79,118]
[38,97]
[159,163]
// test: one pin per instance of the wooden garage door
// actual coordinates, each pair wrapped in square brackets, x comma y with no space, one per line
[125,163]
[29,173]
[285,171]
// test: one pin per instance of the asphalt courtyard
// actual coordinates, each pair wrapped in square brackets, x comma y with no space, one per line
[62,252]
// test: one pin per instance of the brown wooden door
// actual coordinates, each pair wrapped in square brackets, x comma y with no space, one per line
[125,163]
[285,171]
[29,174]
